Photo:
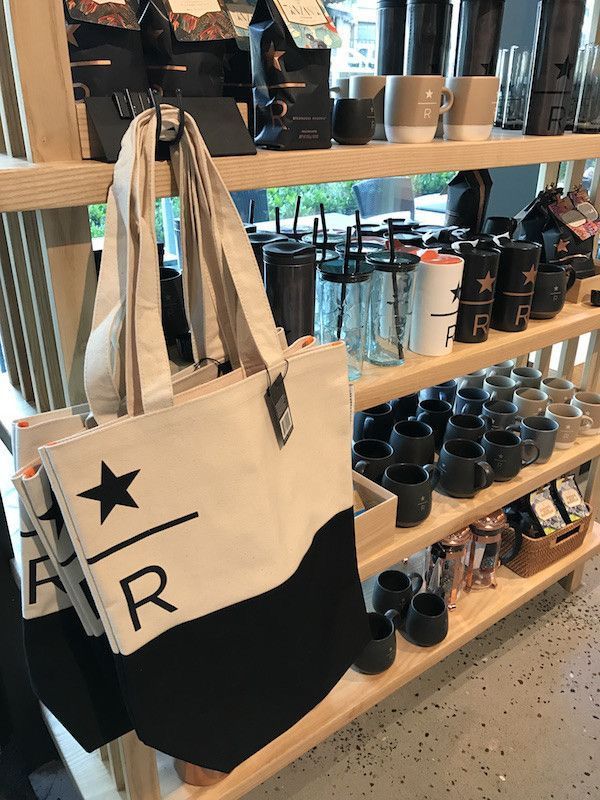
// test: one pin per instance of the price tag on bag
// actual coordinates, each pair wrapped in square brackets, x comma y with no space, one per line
[279,409]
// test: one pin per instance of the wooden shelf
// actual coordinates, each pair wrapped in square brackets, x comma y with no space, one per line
[25,186]
[379,384]
[388,546]
[356,693]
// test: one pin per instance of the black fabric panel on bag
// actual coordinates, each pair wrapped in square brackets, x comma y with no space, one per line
[195,68]
[74,675]
[215,690]
[105,59]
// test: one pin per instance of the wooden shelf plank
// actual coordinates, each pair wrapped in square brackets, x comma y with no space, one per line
[63,184]
[356,693]
[386,547]
[379,384]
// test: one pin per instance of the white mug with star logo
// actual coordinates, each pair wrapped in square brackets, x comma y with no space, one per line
[437,293]
[471,117]
[412,107]
[571,422]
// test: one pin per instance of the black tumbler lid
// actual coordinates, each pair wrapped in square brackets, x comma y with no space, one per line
[265,237]
[288,252]
[477,255]
[429,2]
[403,262]
[391,3]
[334,272]
[519,252]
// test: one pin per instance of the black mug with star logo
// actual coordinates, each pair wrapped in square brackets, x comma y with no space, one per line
[559,24]
[477,294]
[551,287]
[515,285]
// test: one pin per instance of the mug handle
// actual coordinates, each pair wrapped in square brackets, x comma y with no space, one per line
[491,373]
[586,422]
[361,467]
[367,427]
[516,548]
[572,276]
[434,474]
[494,397]
[394,617]
[416,582]
[486,473]
[470,408]
[449,95]
[487,421]
[516,428]
[529,443]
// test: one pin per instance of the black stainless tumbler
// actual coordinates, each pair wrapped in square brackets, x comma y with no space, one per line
[477,293]
[290,285]
[391,22]
[258,240]
[479,28]
[517,275]
[427,36]
[558,29]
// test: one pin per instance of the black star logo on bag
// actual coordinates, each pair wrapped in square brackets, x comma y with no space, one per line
[54,515]
[111,491]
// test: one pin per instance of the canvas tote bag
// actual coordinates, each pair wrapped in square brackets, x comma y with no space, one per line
[223,564]
[70,663]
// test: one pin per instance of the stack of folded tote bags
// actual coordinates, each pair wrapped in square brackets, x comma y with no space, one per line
[188,554]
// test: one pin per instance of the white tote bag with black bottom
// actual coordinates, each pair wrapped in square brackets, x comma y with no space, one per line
[222,562]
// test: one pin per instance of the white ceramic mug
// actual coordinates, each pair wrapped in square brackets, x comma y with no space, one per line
[559,390]
[527,376]
[571,422]
[589,403]
[412,107]
[530,402]
[474,380]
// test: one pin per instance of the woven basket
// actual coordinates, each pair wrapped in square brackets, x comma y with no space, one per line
[537,554]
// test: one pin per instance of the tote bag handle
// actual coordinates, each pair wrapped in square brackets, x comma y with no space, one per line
[230,261]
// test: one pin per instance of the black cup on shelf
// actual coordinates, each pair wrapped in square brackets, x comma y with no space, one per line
[413,442]
[436,414]
[465,426]
[413,486]
[394,589]
[551,287]
[427,620]
[258,240]
[470,400]
[374,423]
[463,469]
[405,407]
[353,120]
[371,458]
[540,430]
[499,413]
[380,652]
[506,453]
[442,391]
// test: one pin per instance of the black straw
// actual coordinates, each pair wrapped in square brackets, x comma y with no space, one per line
[315,230]
[395,290]
[340,319]
[251,212]
[323,223]
[278,219]
[358,230]
[297,213]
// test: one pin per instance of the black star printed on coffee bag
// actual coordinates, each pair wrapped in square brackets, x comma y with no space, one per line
[111,491]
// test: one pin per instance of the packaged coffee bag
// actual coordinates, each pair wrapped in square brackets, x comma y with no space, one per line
[290,47]
[105,47]
[184,44]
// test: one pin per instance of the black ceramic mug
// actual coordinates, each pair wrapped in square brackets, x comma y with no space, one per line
[405,407]
[542,431]
[413,486]
[465,426]
[353,120]
[463,469]
[442,391]
[380,652]
[436,414]
[506,453]
[413,442]
[371,458]
[551,287]
[374,423]
[499,413]
[394,590]
[470,400]
[426,620]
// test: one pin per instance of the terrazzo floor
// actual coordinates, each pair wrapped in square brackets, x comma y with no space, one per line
[515,714]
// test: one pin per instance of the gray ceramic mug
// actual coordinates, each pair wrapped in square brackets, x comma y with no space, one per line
[499,413]
[571,422]
[500,387]
[526,376]
[589,403]
[503,368]
[559,390]
[530,402]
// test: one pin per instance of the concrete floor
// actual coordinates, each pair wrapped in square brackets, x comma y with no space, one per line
[515,714]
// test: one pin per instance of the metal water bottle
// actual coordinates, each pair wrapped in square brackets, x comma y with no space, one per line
[391,21]
[558,33]
[427,36]
[479,27]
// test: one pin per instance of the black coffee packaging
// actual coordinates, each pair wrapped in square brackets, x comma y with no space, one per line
[290,48]
[105,48]
[468,198]
[477,293]
[479,28]
[515,286]
[391,23]
[559,24]
[184,44]
[568,498]
[427,36]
